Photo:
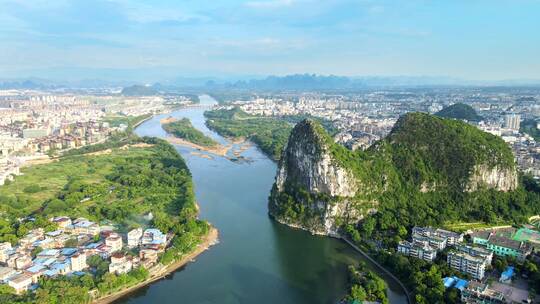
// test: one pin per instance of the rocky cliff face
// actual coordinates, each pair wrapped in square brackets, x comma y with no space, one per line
[501,179]
[307,161]
[307,166]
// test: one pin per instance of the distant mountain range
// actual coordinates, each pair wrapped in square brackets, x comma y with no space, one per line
[288,82]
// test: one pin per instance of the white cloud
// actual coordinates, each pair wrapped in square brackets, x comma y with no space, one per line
[270,3]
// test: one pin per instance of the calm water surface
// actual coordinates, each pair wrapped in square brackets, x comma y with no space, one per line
[257,260]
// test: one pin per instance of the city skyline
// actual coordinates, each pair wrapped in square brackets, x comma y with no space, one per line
[153,41]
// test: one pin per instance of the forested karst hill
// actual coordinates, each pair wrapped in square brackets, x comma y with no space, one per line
[459,111]
[429,170]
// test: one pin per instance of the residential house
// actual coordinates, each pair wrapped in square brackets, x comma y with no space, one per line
[114,241]
[120,263]
[6,272]
[153,236]
[20,282]
[78,261]
[134,237]
[466,263]
[417,249]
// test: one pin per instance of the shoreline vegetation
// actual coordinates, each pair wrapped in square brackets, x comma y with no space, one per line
[114,182]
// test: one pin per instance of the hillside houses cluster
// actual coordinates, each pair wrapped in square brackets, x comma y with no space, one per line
[65,251]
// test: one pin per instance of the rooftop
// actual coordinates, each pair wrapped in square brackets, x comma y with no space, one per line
[503,241]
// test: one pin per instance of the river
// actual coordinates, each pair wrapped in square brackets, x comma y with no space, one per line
[257,259]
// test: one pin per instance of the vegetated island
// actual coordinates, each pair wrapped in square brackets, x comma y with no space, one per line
[427,172]
[268,133]
[136,183]
[184,133]
[184,129]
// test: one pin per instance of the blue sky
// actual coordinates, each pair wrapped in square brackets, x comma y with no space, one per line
[467,39]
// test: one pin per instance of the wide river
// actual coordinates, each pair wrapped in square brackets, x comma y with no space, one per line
[257,259]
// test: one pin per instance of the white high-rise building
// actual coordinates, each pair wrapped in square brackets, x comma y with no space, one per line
[78,261]
[512,121]
[134,237]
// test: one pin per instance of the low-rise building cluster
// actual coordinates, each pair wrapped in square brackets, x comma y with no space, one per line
[516,243]
[427,241]
[65,251]
[474,259]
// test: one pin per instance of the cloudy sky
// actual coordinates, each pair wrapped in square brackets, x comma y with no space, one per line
[469,39]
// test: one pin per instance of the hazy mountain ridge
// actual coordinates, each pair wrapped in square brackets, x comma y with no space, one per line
[115,78]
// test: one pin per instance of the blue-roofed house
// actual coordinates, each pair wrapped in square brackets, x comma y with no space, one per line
[461,284]
[36,271]
[51,273]
[54,233]
[153,236]
[455,282]
[45,243]
[506,276]
[36,268]
[45,261]
[449,282]
[49,253]
[62,267]
[68,251]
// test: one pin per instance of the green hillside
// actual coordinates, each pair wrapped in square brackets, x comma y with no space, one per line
[459,111]
[419,173]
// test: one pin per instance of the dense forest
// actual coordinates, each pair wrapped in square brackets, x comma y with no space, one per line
[184,129]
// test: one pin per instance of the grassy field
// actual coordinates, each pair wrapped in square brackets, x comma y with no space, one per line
[461,226]
[54,177]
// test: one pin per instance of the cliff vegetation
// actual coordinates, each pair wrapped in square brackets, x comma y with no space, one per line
[428,171]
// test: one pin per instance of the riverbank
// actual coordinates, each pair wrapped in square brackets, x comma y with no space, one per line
[218,150]
[158,272]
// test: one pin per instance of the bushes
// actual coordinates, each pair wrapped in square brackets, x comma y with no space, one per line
[366,285]
[32,189]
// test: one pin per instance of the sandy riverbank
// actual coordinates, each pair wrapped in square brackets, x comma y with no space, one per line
[219,150]
[167,120]
[210,239]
